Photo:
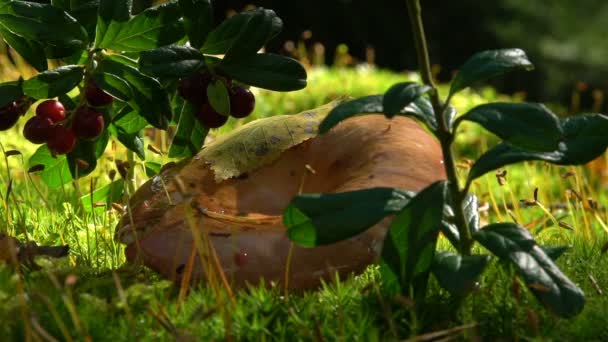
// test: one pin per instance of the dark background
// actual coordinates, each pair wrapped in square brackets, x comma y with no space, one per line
[566,40]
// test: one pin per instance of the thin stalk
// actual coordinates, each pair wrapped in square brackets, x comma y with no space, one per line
[443,130]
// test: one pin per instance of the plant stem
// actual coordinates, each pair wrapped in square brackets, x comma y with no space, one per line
[443,130]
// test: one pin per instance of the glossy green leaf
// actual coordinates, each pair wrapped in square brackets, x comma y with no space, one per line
[532,127]
[190,134]
[198,20]
[263,25]
[131,140]
[458,274]
[56,171]
[107,194]
[221,39]
[88,151]
[152,169]
[400,95]
[85,11]
[583,139]
[54,82]
[171,61]
[321,219]
[514,243]
[9,92]
[54,28]
[409,246]
[268,71]
[218,96]
[448,227]
[129,121]
[147,96]
[155,27]
[421,109]
[487,64]
[31,51]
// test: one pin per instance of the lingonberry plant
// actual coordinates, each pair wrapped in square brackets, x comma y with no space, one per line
[529,132]
[120,73]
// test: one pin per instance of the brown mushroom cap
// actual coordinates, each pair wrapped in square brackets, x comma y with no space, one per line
[242,216]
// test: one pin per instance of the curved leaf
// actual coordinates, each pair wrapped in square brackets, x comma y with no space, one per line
[421,109]
[190,134]
[198,20]
[268,71]
[261,142]
[171,61]
[54,28]
[218,96]
[54,82]
[487,64]
[400,95]
[31,51]
[321,219]
[56,171]
[409,246]
[458,274]
[88,151]
[147,96]
[154,27]
[553,289]
[263,25]
[532,127]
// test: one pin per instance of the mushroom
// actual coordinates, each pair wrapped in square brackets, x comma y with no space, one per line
[238,222]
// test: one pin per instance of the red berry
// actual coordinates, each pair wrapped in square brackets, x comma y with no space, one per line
[9,115]
[52,109]
[96,97]
[88,123]
[61,140]
[37,129]
[242,101]
[194,88]
[209,117]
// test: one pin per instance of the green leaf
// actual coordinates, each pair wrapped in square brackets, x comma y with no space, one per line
[88,151]
[190,134]
[554,252]
[421,109]
[55,82]
[85,11]
[31,51]
[55,29]
[458,274]
[263,25]
[409,246]
[268,71]
[108,193]
[532,127]
[131,140]
[9,92]
[56,171]
[171,61]
[198,20]
[553,289]
[217,93]
[155,27]
[129,121]
[147,96]
[487,64]
[583,139]
[321,219]
[400,95]
[222,37]
[504,154]
[152,169]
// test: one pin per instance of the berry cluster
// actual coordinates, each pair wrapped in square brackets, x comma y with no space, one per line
[58,131]
[194,90]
